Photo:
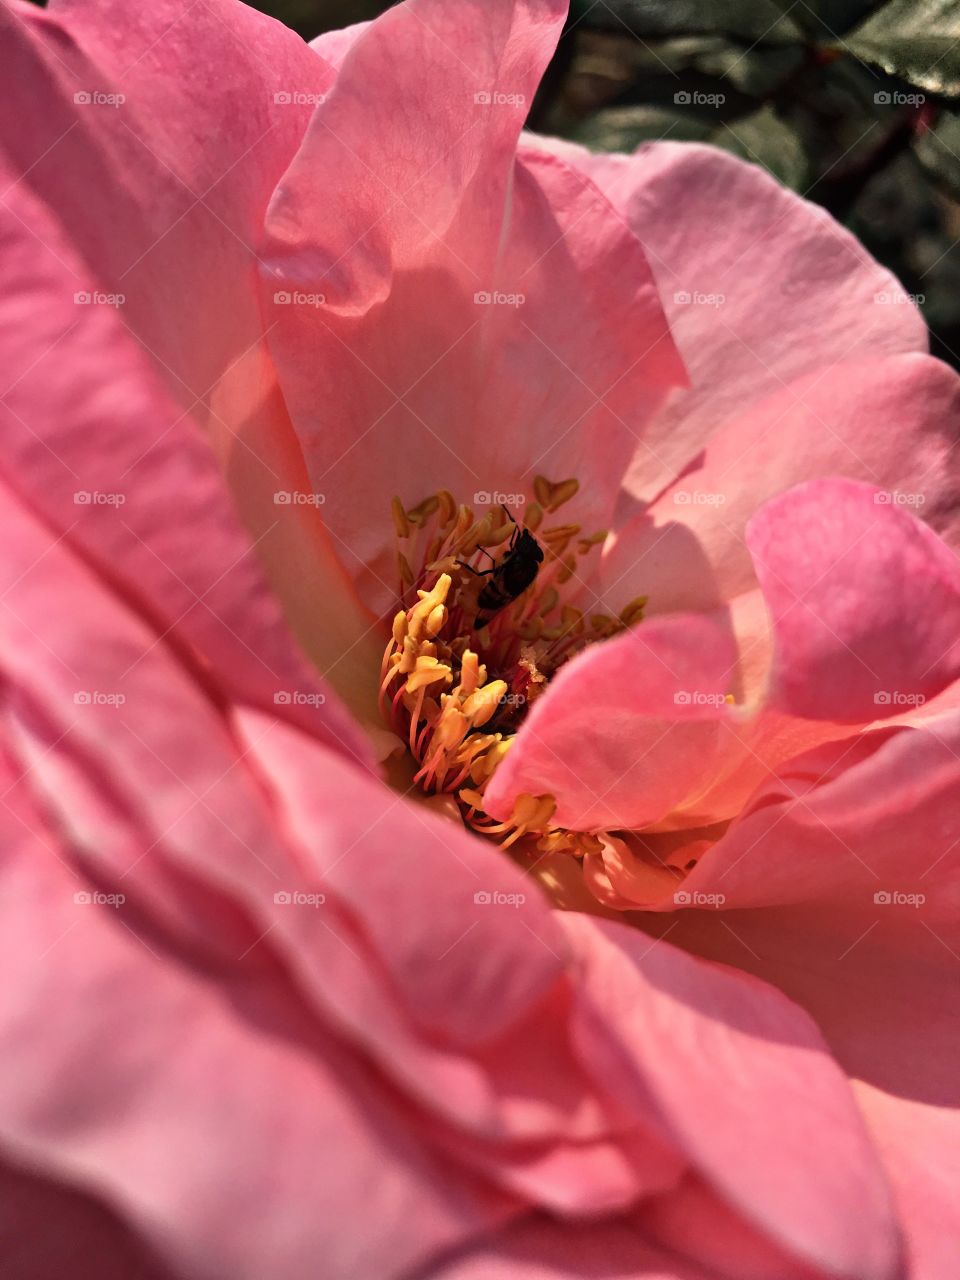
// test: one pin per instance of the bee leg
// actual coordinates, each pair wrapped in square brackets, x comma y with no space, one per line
[477,573]
[516,528]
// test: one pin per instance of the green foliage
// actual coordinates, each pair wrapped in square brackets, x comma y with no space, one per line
[915,40]
[851,103]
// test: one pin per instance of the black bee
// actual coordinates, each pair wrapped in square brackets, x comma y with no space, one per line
[509,577]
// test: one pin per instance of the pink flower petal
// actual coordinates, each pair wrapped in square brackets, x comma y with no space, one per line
[829,826]
[758,1082]
[50,1230]
[865,601]
[441,315]
[104,455]
[176,178]
[408,939]
[695,1223]
[333,46]
[176,187]
[881,983]
[628,729]
[234,1134]
[863,839]
[539,1249]
[760,287]
[409,1011]
[886,421]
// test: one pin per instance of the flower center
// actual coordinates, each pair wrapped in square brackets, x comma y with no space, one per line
[484,623]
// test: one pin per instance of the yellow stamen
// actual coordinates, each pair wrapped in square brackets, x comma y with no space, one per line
[456,692]
[428,671]
[482,705]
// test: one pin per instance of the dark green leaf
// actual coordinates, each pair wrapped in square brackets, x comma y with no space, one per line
[748,20]
[624,128]
[915,40]
[826,20]
[767,140]
[938,150]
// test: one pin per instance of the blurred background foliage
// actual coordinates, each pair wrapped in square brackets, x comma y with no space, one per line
[855,105]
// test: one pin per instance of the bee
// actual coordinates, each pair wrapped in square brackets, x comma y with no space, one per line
[509,576]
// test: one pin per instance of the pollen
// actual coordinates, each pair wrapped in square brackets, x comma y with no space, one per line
[485,618]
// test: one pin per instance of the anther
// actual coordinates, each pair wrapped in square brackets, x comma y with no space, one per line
[400,521]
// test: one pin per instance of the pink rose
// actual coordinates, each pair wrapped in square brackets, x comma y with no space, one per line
[265,1014]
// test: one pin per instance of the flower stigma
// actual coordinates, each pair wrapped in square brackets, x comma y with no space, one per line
[482,627]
